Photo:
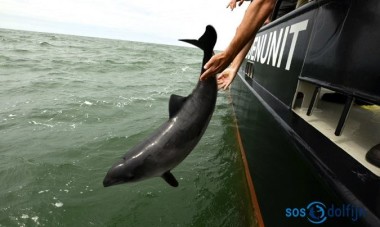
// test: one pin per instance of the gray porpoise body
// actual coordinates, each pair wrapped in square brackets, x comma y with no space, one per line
[173,141]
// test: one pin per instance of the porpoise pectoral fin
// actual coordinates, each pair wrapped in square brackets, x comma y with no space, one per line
[170,179]
[175,104]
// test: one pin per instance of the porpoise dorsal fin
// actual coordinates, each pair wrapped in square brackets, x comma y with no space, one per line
[170,179]
[175,104]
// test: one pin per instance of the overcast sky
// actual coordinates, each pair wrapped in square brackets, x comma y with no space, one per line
[157,21]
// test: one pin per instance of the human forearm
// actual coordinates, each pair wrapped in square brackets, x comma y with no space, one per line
[257,12]
[229,74]
[240,57]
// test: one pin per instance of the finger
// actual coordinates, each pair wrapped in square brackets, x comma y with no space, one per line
[207,65]
[229,83]
[205,75]
[233,6]
[226,86]
[210,62]
[221,76]
[220,83]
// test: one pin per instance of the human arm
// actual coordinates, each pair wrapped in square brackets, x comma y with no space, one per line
[257,12]
[227,76]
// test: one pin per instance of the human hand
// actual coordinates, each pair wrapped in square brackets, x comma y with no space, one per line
[215,65]
[232,4]
[226,78]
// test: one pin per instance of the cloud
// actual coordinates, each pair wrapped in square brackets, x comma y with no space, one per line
[162,21]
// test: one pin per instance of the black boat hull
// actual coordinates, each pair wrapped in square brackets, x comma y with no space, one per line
[293,165]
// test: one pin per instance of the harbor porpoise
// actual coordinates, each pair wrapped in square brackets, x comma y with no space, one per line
[172,142]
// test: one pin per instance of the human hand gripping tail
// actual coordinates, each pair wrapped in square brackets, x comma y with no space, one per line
[216,65]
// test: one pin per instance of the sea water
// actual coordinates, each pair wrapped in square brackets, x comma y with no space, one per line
[71,106]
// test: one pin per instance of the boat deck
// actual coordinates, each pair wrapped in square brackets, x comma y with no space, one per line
[361,131]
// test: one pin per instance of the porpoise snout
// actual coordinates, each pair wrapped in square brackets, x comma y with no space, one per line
[107,182]
[116,175]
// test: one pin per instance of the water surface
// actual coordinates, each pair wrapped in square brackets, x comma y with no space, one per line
[71,106]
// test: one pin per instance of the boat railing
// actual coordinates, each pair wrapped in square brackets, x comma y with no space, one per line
[349,120]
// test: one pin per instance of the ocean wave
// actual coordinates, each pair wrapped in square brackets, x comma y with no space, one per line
[5,123]
[42,124]
[126,101]
[47,84]
[76,47]
[52,37]
[139,63]
[66,62]
[46,44]
[56,73]
[9,40]
[5,58]
[22,51]
[113,62]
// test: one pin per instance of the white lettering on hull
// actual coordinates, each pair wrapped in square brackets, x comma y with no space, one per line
[272,51]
